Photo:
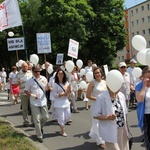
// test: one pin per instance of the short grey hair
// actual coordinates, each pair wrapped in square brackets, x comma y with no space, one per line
[36,67]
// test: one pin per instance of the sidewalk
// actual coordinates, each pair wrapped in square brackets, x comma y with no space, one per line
[77,139]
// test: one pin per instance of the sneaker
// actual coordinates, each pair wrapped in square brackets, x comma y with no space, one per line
[40,140]
[75,111]
[26,124]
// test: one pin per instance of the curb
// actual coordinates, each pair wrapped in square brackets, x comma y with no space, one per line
[36,144]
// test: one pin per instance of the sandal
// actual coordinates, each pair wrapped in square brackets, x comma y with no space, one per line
[102,146]
[64,134]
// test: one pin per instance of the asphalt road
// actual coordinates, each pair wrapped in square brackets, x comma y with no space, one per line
[78,131]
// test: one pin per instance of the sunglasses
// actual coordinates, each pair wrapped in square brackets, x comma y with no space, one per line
[123,67]
[36,71]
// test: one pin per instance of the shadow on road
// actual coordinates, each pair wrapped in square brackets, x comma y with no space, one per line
[84,146]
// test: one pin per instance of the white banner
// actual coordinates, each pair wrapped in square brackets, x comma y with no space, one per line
[9,14]
[59,59]
[73,48]
[43,43]
[15,44]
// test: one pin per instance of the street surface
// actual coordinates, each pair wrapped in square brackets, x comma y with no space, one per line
[77,132]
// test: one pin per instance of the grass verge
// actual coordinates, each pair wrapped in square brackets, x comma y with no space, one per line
[11,139]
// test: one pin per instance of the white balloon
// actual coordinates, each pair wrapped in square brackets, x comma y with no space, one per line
[34,59]
[79,63]
[82,72]
[139,42]
[114,80]
[137,72]
[83,85]
[17,64]
[69,65]
[141,57]
[20,62]
[89,76]
[11,34]
[43,66]
[50,69]
[148,57]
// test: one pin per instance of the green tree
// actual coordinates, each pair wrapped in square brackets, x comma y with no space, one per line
[106,31]
[65,19]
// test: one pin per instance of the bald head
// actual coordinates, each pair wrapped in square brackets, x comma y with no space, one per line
[24,67]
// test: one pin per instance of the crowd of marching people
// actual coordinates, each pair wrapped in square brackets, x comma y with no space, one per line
[59,90]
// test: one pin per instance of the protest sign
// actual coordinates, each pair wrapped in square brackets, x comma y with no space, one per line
[73,48]
[59,59]
[15,44]
[43,43]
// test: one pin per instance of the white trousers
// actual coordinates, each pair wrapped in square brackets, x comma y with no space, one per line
[63,115]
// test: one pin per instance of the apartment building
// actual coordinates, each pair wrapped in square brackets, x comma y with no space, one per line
[137,22]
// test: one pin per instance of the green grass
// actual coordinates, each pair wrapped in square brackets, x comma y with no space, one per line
[13,140]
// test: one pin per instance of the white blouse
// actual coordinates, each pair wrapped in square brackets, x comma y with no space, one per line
[63,101]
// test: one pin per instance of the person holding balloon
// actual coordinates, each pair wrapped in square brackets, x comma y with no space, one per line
[142,91]
[84,84]
[61,91]
[110,112]
[127,84]
[95,87]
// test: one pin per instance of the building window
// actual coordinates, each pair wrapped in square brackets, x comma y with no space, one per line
[148,7]
[137,22]
[149,31]
[122,58]
[136,10]
[137,32]
[149,43]
[133,34]
[118,57]
[132,24]
[142,8]
[131,12]
[142,20]
[143,31]
[148,18]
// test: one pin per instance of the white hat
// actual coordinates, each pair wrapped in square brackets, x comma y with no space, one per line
[133,61]
[122,64]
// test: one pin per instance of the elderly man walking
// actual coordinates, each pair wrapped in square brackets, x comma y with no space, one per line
[35,88]
[23,75]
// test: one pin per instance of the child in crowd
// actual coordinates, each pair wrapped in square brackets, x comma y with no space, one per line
[85,99]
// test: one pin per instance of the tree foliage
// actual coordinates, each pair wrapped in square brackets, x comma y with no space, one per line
[97,25]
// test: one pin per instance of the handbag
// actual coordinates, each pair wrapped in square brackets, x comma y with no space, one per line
[130,140]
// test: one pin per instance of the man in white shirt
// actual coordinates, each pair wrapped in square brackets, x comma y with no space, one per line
[130,71]
[35,88]
[88,67]
[23,75]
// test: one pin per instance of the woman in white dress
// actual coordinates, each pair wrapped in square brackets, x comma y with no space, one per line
[96,87]
[61,92]
[14,88]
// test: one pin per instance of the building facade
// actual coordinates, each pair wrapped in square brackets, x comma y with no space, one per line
[137,22]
